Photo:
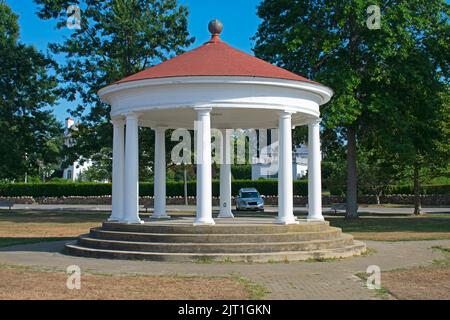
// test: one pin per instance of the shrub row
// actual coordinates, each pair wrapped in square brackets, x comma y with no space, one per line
[425,189]
[401,189]
[173,189]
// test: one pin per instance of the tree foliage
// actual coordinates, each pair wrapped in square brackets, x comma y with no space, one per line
[381,77]
[30,136]
[117,38]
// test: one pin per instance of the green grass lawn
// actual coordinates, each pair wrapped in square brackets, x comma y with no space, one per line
[396,228]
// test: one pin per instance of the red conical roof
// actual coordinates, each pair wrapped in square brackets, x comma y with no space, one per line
[215,58]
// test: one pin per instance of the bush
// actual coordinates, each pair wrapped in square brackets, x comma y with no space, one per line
[55,189]
[443,189]
[241,171]
[424,189]
[173,189]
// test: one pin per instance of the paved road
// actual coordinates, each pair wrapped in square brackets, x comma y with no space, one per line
[295,280]
[182,208]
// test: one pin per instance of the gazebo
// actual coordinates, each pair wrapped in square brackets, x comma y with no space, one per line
[213,86]
[221,87]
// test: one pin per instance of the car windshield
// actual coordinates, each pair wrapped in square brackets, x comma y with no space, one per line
[249,195]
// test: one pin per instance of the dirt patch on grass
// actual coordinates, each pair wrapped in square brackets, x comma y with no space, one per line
[421,283]
[32,230]
[22,283]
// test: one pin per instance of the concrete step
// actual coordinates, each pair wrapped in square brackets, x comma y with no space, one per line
[218,248]
[356,248]
[223,228]
[330,233]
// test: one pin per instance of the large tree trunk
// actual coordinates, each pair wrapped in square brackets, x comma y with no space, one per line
[417,202]
[352,200]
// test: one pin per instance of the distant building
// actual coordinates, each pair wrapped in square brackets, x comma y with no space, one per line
[267,166]
[74,171]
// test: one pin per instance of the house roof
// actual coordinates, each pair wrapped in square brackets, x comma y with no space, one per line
[215,58]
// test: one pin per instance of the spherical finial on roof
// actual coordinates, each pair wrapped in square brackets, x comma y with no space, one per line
[215,27]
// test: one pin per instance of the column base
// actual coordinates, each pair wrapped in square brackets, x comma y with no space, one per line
[113,219]
[227,214]
[139,221]
[286,220]
[315,219]
[204,222]
[160,216]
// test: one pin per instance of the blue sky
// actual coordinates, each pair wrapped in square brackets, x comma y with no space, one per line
[238,16]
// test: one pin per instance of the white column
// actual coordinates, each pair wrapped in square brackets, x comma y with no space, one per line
[314,174]
[160,174]
[204,182]
[285,196]
[118,170]
[131,170]
[225,176]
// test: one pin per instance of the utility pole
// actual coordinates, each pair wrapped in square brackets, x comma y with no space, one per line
[26,167]
[185,186]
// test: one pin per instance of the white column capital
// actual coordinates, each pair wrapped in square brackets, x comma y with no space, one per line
[159,129]
[286,114]
[203,110]
[117,121]
[315,121]
[132,116]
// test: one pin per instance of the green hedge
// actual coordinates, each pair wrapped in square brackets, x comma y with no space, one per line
[54,189]
[424,189]
[265,187]
[401,189]
[241,171]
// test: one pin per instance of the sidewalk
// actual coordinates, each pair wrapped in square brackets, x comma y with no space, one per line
[191,209]
[296,280]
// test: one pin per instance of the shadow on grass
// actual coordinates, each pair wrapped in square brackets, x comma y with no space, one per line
[39,243]
[405,224]
[35,216]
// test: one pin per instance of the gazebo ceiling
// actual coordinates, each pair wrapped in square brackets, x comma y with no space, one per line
[221,118]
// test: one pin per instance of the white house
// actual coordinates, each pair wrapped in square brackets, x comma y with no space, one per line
[74,171]
[267,167]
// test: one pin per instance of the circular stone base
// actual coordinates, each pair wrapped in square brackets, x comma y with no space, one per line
[230,240]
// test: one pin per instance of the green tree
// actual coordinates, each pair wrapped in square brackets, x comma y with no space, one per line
[31,138]
[419,118]
[117,38]
[100,170]
[331,42]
